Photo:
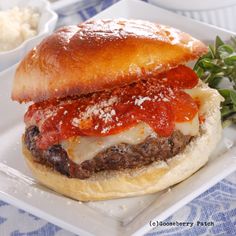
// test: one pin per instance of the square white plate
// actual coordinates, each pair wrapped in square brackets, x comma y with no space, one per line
[114,217]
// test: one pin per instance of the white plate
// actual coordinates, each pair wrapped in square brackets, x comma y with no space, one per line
[193,5]
[215,12]
[114,217]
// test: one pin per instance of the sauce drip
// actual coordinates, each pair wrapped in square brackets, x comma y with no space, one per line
[159,102]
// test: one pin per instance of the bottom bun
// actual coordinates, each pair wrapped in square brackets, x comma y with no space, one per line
[148,179]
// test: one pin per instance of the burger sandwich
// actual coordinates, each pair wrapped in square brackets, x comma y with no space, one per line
[115,112]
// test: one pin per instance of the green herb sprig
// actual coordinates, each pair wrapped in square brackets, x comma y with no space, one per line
[217,65]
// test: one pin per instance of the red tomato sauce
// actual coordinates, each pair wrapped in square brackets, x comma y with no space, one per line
[159,102]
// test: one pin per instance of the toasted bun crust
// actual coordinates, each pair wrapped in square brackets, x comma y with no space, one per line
[148,179]
[98,55]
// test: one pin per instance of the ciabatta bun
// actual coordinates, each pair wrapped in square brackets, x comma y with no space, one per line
[148,179]
[98,55]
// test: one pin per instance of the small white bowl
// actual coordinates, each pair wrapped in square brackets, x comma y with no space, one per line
[216,12]
[46,25]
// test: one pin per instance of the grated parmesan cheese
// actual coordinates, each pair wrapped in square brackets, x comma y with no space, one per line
[16,26]
[140,100]
[75,122]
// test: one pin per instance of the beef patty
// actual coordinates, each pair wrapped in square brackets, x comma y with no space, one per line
[117,157]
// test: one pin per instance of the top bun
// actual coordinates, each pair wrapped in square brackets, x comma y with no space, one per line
[98,55]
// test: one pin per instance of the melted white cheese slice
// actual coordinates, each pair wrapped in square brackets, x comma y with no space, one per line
[202,95]
[189,127]
[80,149]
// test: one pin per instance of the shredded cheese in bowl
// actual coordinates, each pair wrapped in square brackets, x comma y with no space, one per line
[16,26]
